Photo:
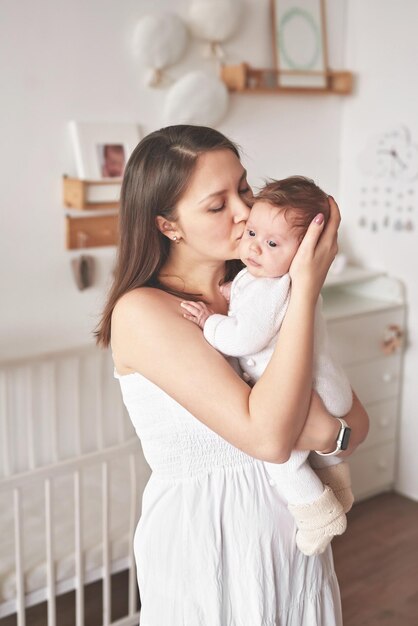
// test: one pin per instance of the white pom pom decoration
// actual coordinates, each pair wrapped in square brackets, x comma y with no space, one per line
[214,21]
[159,41]
[197,98]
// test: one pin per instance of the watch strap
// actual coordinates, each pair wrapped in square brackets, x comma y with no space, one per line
[342,439]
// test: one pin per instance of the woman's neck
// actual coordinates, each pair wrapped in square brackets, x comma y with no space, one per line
[193,276]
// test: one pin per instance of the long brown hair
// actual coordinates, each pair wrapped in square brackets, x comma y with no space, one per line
[156,176]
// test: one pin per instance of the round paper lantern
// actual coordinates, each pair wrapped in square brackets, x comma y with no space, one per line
[159,41]
[197,98]
[214,21]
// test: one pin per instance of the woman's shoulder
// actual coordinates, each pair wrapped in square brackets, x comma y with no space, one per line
[144,310]
[138,321]
[144,301]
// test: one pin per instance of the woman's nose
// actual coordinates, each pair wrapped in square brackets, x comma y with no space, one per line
[241,211]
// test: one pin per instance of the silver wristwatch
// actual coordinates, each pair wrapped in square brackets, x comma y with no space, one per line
[342,439]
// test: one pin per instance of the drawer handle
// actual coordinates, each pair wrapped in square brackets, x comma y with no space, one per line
[392,339]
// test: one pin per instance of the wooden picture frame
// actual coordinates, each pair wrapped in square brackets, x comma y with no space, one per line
[299,43]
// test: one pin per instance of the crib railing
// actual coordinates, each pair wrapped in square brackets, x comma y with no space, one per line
[66,404]
[55,400]
[45,475]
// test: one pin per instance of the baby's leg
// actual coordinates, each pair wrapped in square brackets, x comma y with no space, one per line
[295,480]
[335,473]
[317,513]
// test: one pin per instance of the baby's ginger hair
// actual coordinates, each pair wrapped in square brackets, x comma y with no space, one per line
[299,197]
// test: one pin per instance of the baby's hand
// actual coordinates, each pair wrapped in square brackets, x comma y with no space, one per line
[197,312]
[225,290]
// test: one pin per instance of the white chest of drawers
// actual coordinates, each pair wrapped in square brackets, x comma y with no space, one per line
[363,309]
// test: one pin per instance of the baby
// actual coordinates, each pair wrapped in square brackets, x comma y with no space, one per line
[318,492]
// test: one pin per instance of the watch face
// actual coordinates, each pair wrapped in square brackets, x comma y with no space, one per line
[346,438]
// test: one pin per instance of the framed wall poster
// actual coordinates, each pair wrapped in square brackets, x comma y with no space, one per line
[102,150]
[299,43]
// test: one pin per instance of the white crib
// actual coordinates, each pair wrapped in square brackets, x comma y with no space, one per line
[71,479]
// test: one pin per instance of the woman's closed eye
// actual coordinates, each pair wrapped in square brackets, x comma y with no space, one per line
[217,209]
[242,192]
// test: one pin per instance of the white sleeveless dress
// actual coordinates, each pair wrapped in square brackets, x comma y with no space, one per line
[215,544]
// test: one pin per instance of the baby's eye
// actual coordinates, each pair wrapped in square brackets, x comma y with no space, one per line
[272,244]
[251,233]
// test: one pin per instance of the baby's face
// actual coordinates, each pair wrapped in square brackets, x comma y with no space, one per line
[268,244]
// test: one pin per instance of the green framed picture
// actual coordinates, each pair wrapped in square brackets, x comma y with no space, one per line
[299,43]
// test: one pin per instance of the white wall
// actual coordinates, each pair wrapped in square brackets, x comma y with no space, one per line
[63,60]
[382,48]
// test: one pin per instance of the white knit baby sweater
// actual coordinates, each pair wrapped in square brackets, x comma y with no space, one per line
[256,311]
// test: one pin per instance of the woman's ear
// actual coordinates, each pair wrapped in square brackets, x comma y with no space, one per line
[169,229]
[165,227]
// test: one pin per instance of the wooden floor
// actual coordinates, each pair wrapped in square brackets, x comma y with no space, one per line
[376,562]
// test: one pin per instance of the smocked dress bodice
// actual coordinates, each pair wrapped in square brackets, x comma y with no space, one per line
[175,444]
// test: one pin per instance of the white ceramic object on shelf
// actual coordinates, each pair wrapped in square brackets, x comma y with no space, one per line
[214,21]
[159,41]
[196,98]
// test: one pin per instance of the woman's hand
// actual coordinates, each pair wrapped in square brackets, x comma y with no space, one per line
[316,253]
[321,428]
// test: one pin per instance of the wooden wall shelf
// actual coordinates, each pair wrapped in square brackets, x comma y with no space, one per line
[91,231]
[91,194]
[243,78]
[92,220]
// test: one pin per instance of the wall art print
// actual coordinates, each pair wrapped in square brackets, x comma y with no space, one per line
[299,42]
[388,193]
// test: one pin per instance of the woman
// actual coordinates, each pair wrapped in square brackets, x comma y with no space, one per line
[215,545]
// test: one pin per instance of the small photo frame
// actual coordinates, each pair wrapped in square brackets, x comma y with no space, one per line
[299,43]
[102,150]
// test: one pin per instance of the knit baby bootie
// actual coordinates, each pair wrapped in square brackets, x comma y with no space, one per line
[338,478]
[318,522]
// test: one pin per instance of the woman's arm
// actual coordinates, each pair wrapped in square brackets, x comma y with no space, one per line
[287,379]
[358,420]
[321,429]
[150,335]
